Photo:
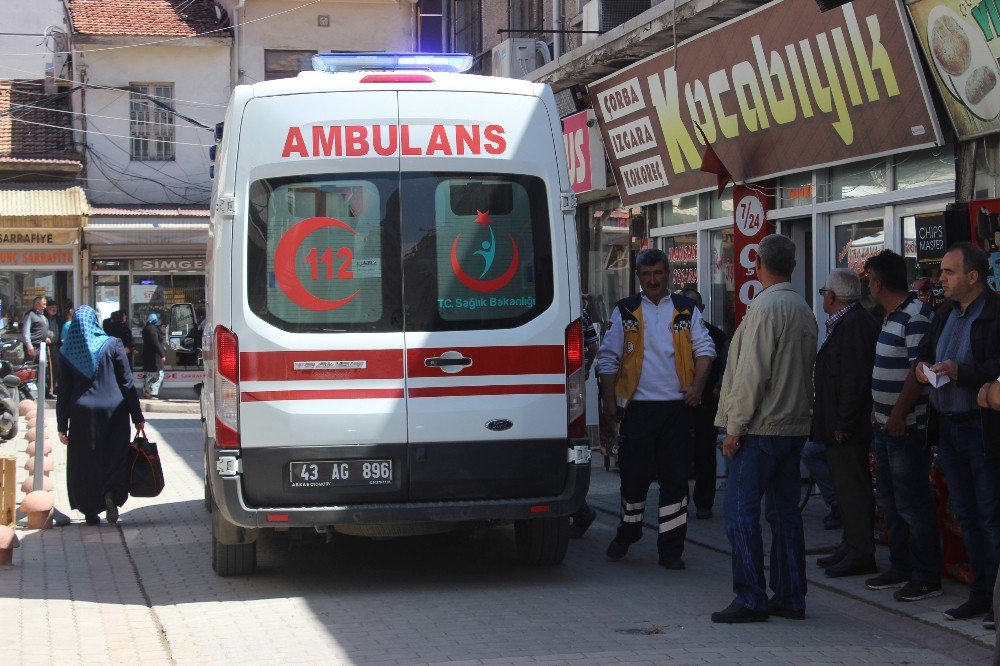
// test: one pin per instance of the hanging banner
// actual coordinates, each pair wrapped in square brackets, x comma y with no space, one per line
[750,225]
[960,40]
[584,152]
[781,89]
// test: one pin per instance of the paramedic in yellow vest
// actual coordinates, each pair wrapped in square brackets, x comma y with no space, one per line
[653,364]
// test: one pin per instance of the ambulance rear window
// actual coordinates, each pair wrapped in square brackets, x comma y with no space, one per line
[318,249]
[477,250]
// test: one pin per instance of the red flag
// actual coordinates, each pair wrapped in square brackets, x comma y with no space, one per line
[710,163]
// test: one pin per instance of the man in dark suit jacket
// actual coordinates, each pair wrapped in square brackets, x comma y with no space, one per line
[842,418]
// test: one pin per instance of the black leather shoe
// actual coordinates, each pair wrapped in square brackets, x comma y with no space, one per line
[93,520]
[779,609]
[703,514]
[581,525]
[968,609]
[838,554]
[616,550]
[673,563]
[738,614]
[844,568]
[111,512]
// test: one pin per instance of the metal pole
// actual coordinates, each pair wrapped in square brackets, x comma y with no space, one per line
[40,420]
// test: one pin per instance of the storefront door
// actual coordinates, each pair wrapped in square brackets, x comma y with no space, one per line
[800,231]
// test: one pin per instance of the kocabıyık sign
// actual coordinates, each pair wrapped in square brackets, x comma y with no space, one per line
[782,89]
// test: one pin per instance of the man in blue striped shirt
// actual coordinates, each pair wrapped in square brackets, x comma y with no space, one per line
[902,459]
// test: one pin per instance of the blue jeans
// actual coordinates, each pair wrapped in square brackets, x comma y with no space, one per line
[814,458]
[766,467]
[153,381]
[903,492]
[974,493]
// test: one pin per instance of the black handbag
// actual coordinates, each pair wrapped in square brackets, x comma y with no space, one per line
[145,475]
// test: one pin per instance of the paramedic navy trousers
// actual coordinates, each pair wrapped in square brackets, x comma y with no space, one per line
[656,444]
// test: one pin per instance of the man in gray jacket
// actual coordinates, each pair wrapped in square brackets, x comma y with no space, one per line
[765,410]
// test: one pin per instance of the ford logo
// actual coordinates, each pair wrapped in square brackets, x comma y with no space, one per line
[499,425]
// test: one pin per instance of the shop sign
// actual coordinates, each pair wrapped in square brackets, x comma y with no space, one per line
[168,264]
[36,257]
[781,89]
[584,152]
[38,237]
[960,40]
[932,238]
[750,225]
[985,222]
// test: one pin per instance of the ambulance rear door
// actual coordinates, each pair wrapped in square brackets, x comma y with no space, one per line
[485,297]
[322,404]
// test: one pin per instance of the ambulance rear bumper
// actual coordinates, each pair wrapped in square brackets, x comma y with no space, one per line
[227,492]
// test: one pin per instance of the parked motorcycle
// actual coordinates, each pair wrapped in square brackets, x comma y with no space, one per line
[9,400]
[12,353]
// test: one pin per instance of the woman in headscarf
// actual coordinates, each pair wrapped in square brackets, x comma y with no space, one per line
[153,356]
[92,412]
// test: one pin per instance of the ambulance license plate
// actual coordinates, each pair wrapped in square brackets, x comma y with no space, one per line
[327,473]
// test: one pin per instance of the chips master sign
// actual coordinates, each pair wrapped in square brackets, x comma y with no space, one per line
[782,89]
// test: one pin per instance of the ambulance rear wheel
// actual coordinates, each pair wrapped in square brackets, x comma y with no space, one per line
[542,540]
[233,560]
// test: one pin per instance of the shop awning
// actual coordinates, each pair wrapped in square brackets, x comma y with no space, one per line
[135,238]
[42,204]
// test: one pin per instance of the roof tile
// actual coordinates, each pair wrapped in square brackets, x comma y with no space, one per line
[167,18]
[34,127]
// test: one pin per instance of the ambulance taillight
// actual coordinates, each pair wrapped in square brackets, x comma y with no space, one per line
[227,389]
[576,392]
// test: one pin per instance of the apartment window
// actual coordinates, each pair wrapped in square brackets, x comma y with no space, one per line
[284,64]
[151,121]
[468,26]
[430,26]
[526,18]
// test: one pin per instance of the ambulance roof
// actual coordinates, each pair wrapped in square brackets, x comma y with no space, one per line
[318,82]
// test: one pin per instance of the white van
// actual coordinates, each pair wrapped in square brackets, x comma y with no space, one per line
[393,301]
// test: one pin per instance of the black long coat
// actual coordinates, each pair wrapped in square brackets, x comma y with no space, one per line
[95,413]
[843,380]
[152,348]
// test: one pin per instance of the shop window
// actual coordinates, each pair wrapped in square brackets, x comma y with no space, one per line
[854,244]
[607,262]
[720,207]
[682,255]
[913,270]
[682,210]
[795,190]
[987,159]
[156,292]
[858,179]
[151,121]
[723,285]
[285,64]
[925,167]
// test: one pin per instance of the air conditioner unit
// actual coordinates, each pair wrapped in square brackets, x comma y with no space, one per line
[516,57]
[605,15]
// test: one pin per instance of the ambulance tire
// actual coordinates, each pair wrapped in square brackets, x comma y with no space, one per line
[233,560]
[542,540]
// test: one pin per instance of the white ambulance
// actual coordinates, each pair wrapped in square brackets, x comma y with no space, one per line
[393,301]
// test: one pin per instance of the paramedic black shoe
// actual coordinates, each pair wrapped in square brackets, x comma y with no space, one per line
[672,563]
[968,609]
[93,520]
[112,509]
[581,525]
[616,550]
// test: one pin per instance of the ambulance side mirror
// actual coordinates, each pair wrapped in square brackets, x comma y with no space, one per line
[180,327]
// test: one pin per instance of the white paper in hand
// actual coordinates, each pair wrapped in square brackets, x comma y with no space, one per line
[934,379]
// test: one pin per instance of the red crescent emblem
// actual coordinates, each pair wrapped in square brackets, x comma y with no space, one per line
[484,285]
[284,264]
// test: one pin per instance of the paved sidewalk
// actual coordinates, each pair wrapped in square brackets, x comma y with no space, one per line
[144,592]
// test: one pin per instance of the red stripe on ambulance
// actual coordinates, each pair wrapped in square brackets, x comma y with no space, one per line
[527,360]
[278,366]
[326,394]
[387,140]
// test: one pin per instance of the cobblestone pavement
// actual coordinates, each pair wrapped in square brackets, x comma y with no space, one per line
[144,592]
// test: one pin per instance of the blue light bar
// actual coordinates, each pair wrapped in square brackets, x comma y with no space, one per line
[357,62]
